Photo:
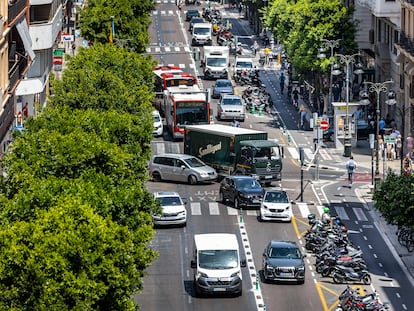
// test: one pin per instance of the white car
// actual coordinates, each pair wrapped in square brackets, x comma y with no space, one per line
[276,206]
[173,209]
[158,126]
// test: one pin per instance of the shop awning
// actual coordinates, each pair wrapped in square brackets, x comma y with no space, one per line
[23,30]
[29,86]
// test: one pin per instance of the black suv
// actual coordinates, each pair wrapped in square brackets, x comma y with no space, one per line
[241,191]
[283,261]
[190,14]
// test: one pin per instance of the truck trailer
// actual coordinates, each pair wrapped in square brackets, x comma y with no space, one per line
[234,150]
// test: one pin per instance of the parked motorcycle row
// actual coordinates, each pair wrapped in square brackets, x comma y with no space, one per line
[350,299]
[338,258]
[257,98]
[247,77]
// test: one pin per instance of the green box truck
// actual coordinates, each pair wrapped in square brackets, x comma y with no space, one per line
[235,150]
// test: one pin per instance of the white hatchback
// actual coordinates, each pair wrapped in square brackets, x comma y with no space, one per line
[173,209]
[276,206]
[158,126]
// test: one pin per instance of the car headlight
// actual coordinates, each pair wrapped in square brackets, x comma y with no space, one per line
[301,268]
[265,207]
[182,213]
[201,275]
[269,267]
[244,195]
[287,208]
[204,174]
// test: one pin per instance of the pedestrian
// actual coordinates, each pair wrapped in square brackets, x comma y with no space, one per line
[282,79]
[380,143]
[398,147]
[408,165]
[255,47]
[351,167]
[295,93]
[235,123]
[302,115]
[409,144]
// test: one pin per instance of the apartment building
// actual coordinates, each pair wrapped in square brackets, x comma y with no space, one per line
[405,47]
[16,54]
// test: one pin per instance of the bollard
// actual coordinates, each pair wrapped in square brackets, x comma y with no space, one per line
[241,215]
[257,281]
[252,111]
[284,130]
[264,307]
[288,138]
[260,111]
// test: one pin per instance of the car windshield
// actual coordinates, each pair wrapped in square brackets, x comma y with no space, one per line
[216,62]
[202,30]
[223,83]
[276,197]
[248,184]
[169,201]
[284,252]
[244,65]
[231,101]
[195,20]
[194,162]
[218,259]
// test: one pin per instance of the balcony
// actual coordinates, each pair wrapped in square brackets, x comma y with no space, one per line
[15,8]
[44,34]
[406,43]
[16,72]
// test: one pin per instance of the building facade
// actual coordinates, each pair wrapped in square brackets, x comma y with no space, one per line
[16,55]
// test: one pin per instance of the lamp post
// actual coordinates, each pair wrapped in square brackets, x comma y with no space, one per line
[329,44]
[378,88]
[347,60]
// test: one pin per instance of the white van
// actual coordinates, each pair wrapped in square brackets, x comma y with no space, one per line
[217,264]
[202,33]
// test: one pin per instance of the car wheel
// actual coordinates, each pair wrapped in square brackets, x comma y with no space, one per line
[156,176]
[366,279]
[236,203]
[221,197]
[192,180]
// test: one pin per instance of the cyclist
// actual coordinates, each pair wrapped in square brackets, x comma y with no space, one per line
[282,82]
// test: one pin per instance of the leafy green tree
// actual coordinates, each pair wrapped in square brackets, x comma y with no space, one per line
[70,258]
[106,77]
[131,21]
[300,26]
[394,198]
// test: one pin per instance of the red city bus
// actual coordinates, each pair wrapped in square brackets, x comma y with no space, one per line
[168,76]
[185,105]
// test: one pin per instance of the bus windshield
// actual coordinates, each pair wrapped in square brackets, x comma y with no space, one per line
[188,113]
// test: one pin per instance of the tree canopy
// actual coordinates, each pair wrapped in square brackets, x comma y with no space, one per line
[76,215]
[301,25]
[394,198]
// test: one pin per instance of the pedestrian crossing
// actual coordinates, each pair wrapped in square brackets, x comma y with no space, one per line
[172,48]
[300,209]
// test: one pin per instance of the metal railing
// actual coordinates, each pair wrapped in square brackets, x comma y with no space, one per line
[15,8]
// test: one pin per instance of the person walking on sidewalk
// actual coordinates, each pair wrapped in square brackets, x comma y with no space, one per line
[408,165]
[350,167]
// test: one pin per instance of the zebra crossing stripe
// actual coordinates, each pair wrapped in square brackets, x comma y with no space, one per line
[187,49]
[252,213]
[325,155]
[232,211]
[177,49]
[320,208]
[303,209]
[308,153]
[359,214]
[213,208]
[340,211]
[148,50]
[195,208]
[167,49]
[293,152]
[157,50]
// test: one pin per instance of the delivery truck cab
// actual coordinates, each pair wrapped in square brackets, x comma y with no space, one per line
[217,264]
[202,33]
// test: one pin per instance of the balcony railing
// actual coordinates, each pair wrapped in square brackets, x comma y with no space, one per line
[407,43]
[15,8]
[16,71]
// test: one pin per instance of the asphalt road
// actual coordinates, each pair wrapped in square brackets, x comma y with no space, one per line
[168,284]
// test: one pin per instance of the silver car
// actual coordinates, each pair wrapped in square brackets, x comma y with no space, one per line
[230,107]
[180,167]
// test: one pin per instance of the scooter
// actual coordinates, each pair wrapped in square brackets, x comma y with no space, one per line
[343,274]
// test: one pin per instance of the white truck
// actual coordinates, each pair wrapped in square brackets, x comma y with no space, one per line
[242,63]
[215,62]
[202,33]
[217,264]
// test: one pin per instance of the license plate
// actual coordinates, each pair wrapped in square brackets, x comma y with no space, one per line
[268,176]
[286,275]
[219,289]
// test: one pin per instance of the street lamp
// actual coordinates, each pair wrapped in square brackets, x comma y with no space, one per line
[378,88]
[347,60]
[329,44]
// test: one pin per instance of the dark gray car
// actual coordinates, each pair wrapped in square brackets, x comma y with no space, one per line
[241,191]
[283,261]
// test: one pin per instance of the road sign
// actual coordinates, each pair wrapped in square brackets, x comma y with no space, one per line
[324,125]
[388,139]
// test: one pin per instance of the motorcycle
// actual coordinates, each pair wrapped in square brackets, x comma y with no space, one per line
[343,274]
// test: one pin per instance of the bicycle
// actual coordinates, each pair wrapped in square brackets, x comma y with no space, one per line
[406,238]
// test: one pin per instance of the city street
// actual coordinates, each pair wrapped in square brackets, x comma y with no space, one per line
[169,280]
